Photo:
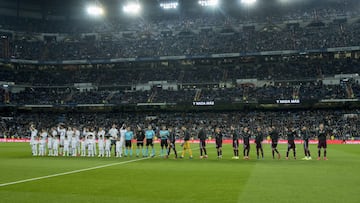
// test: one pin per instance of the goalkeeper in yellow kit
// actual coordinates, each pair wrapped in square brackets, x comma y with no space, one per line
[186,144]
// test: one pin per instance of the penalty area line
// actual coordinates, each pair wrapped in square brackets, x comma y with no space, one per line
[71,172]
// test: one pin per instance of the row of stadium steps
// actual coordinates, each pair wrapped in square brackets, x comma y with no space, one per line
[245,96]
[296,90]
[181,76]
[225,75]
[349,92]
[5,47]
[197,95]
[353,20]
[140,77]
[110,96]
[45,52]
[69,97]
[152,96]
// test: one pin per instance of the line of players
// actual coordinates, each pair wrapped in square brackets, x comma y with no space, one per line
[70,142]
[291,134]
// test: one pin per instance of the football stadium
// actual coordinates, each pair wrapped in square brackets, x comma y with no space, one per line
[180,101]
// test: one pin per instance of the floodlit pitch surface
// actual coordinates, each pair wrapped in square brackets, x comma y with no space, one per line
[67,179]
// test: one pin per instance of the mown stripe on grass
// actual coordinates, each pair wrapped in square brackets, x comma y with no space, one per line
[76,171]
[71,172]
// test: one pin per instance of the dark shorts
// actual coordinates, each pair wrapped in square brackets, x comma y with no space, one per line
[306,144]
[127,143]
[258,145]
[202,144]
[164,143]
[291,144]
[140,143]
[274,145]
[236,143]
[322,144]
[218,144]
[246,146]
[149,142]
[172,145]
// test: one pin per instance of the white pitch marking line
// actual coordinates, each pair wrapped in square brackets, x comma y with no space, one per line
[70,172]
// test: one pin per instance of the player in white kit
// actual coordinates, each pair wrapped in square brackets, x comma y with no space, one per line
[55,146]
[107,146]
[118,148]
[33,140]
[70,134]
[91,143]
[61,132]
[83,146]
[50,141]
[90,137]
[74,141]
[84,134]
[42,142]
[113,132]
[122,138]
[77,135]
[101,142]
[66,149]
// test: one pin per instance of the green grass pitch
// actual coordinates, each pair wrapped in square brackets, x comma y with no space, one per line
[159,180]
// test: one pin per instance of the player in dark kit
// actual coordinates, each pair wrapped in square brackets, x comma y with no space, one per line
[218,141]
[305,136]
[202,138]
[246,142]
[274,135]
[258,141]
[321,134]
[235,137]
[140,136]
[172,140]
[291,133]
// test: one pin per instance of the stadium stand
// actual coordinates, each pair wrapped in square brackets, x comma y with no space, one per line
[308,55]
[189,42]
[345,126]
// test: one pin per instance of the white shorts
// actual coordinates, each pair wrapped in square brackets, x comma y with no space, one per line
[62,141]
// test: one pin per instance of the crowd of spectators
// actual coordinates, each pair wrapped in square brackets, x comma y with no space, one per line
[214,72]
[109,84]
[189,42]
[343,124]
[183,35]
[310,91]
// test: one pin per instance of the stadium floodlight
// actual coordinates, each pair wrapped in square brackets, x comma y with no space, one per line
[132,8]
[209,3]
[169,4]
[248,2]
[95,10]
